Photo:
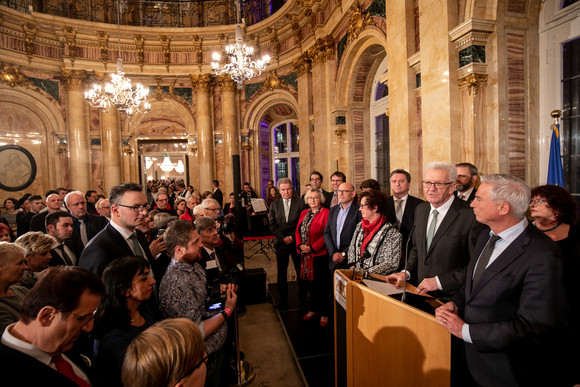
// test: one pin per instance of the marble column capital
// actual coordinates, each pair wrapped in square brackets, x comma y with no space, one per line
[226,83]
[73,79]
[302,64]
[473,81]
[322,50]
[202,83]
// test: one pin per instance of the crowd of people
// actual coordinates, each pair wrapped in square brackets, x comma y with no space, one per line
[90,283]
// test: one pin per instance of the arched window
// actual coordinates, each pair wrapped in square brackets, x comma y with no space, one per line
[285,153]
[380,129]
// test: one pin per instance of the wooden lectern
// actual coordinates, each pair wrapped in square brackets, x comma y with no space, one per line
[386,342]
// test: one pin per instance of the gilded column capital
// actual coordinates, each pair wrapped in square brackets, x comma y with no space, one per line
[302,64]
[473,81]
[73,79]
[202,83]
[226,83]
[322,50]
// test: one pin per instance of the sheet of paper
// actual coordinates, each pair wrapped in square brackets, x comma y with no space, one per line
[382,287]
[259,204]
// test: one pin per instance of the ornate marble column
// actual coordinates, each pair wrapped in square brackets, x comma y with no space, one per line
[230,128]
[78,138]
[111,147]
[302,66]
[203,89]
[245,157]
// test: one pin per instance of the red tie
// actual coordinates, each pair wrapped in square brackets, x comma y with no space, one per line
[66,369]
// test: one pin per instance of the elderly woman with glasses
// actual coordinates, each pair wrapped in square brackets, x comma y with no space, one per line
[122,315]
[171,353]
[555,213]
[376,243]
[314,256]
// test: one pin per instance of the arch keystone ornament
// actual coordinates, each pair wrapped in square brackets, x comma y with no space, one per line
[359,20]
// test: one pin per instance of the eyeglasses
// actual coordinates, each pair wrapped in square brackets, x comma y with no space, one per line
[537,202]
[315,179]
[136,208]
[204,360]
[85,319]
[213,209]
[428,184]
[341,191]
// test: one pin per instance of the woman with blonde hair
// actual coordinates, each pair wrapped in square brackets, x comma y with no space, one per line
[171,353]
[37,245]
[12,268]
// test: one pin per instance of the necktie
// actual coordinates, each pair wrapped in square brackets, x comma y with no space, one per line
[334,200]
[432,227]
[136,246]
[399,210]
[66,369]
[462,196]
[65,256]
[484,259]
[83,230]
[286,209]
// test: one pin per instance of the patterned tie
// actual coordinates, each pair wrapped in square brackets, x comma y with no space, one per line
[65,368]
[399,210]
[462,197]
[484,259]
[334,200]
[136,246]
[432,227]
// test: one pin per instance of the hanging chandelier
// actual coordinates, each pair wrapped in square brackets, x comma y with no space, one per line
[241,67]
[119,93]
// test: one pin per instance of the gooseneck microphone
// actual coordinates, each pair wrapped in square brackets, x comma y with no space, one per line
[404,296]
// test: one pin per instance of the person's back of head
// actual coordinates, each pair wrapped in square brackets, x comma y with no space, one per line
[166,354]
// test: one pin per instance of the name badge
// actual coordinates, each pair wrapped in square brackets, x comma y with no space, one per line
[211,264]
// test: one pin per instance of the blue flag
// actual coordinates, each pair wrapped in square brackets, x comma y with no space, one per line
[555,171]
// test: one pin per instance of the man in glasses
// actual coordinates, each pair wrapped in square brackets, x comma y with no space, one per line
[342,221]
[316,180]
[444,236]
[120,238]
[55,313]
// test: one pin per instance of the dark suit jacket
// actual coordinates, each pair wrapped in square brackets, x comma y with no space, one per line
[220,257]
[278,225]
[408,218]
[37,222]
[94,224]
[24,370]
[218,195]
[23,223]
[353,217]
[450,249]
[512,311]
[107,246]
[471,196]
[57,260]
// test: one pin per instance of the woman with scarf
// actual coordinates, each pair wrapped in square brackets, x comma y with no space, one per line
[376,243]
[314,257]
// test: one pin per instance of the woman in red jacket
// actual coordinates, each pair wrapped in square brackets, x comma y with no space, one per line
[314,257]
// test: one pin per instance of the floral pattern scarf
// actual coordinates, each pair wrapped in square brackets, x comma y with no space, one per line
[307,263]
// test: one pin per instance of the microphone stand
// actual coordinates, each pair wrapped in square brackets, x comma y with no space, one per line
[404,296]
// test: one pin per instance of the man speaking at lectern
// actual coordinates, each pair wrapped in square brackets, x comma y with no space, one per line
[513,300]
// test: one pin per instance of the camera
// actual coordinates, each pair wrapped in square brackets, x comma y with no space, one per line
[215,300]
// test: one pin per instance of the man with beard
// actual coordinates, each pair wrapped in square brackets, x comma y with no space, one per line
[466,177]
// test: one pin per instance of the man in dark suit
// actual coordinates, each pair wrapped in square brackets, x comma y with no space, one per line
[85,226]
[316,180]
[466,177]
[120,238]
[283,219]
[444,236]
[342,220]
[53,204]
[401,206]
[217,192]
[56,311]
[59,225]
[513,301]
[35,202]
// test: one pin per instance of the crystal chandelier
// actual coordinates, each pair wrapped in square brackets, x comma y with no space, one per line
[119,92]
[241,67]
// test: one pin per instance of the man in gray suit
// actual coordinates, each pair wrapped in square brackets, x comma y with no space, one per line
[513,302]
[444,236]
[283,219]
